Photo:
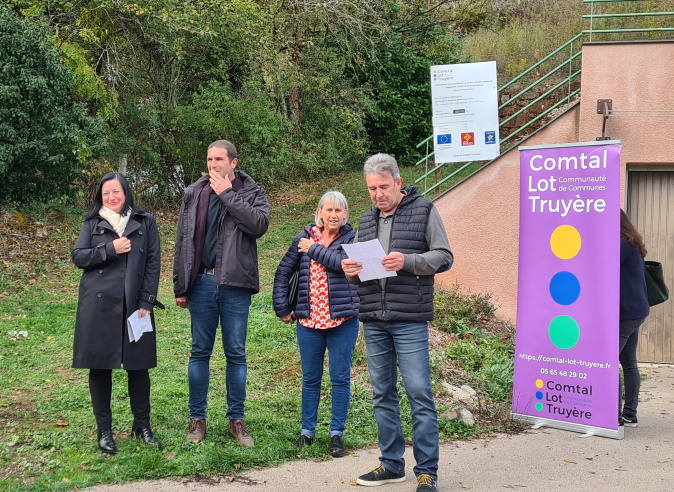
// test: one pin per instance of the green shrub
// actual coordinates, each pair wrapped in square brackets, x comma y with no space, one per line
[250,122]
[485,354]
[456,312]
[496,377]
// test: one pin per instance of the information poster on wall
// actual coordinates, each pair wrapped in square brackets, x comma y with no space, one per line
[465,112]
[566,350]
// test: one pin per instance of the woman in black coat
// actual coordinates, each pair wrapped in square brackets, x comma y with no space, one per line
[118,251]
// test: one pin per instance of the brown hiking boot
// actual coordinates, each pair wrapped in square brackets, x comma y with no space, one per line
[238,431]
[196,430]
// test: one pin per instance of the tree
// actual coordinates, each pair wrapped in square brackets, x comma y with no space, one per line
[45,137]
[396,75]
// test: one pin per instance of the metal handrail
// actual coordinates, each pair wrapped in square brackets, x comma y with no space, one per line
[645,29]
[543,114]
[539,63]
[544,77]
[542,96]
[564,100]
[636,14]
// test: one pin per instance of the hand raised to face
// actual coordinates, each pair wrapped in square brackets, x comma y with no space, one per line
[218,183]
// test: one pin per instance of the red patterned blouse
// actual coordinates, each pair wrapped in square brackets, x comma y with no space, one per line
[319,303]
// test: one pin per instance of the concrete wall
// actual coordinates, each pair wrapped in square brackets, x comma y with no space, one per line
[482,214]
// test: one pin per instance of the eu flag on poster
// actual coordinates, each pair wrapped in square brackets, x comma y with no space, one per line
[490,137]
[445,139]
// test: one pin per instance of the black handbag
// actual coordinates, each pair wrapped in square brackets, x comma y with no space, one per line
[292,289]
[293,284]
[655,283]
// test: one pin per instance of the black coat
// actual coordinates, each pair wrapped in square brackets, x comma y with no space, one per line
[113,287]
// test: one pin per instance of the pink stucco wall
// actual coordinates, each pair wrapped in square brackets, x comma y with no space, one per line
[482,214]
[636,77]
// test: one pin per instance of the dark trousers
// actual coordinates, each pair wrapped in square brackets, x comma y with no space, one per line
[629,338]
[100,387]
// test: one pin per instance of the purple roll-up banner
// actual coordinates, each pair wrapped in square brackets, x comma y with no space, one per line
[566,349]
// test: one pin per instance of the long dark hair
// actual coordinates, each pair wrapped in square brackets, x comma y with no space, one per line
[98,198]
[629,233]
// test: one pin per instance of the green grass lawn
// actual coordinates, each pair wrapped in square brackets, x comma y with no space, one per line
[47,429]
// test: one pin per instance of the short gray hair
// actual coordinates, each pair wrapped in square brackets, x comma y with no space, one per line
[382,164]
[336,198]
[228,146]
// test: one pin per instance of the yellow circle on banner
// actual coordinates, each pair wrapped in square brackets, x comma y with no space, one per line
[565,242]
[539,383]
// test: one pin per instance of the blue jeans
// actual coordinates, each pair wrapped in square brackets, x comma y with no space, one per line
[208,304]
[406,344]
[629,338]
[339,342]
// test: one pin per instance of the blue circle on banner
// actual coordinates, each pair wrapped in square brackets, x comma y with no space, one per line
[564,288]
[539,395]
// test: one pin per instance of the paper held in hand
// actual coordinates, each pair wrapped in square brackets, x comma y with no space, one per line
[137,325]
[370,254]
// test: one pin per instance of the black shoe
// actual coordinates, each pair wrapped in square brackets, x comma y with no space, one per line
[304,440]
[426,483]
[630,421]
[105,442]
[146,434]
[336,449]
[379,476]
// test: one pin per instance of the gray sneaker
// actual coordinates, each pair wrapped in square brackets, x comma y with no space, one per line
[196,431]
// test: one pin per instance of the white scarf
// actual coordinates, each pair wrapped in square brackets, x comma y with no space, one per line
[117,221]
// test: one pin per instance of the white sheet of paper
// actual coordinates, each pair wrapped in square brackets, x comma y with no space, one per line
[137,325]
[370,254]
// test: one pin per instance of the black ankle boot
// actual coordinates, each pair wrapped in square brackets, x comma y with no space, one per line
[146,434]
[105,442]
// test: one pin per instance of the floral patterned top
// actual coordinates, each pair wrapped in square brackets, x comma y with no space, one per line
[319,302]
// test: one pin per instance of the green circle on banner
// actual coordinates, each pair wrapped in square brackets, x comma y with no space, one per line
[539,406]
[564,332]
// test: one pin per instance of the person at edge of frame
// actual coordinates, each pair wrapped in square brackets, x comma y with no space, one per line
[634,309]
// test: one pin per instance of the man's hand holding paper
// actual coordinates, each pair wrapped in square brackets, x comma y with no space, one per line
[374,262]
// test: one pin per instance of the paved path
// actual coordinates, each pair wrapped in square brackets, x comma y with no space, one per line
[537,460]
